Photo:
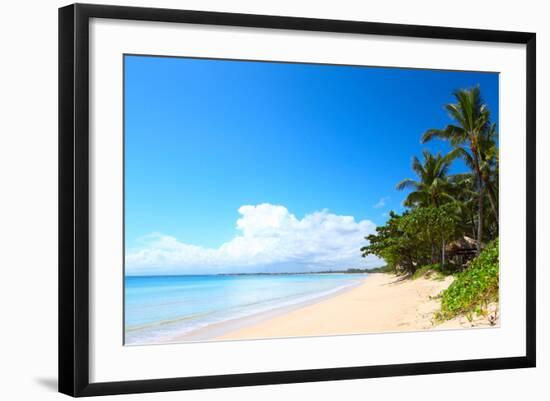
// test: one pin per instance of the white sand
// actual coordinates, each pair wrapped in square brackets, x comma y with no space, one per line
[382,303]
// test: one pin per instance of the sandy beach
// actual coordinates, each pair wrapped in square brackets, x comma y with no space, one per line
[382,303]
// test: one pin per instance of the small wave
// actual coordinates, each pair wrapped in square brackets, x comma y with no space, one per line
[165,330]
[166,322]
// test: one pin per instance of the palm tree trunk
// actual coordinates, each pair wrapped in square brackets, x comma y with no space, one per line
[480,216]
[442,254]
[492,199]
[473,148]
[473,225]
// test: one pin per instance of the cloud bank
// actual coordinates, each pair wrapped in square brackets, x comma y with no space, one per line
[270,239]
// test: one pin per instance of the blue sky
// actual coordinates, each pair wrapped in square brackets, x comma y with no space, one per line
[205,137]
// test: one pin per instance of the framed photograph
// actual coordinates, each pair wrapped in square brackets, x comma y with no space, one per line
[250,199]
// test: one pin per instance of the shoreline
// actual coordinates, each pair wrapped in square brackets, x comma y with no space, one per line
[382,303]
[379,303]
[213,331]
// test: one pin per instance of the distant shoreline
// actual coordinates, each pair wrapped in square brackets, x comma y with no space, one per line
[296,273]
[347,271]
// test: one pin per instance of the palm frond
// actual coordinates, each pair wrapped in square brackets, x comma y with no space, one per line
[417,167]
[466,156]
[407,183]
[452,155]
[415,198]
[431,134]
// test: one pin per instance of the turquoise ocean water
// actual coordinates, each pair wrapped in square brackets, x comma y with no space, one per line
[158,308]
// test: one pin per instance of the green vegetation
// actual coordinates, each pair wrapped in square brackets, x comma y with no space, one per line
[353,270]
[429,271]
[381,269]
[449,218]
[433,187]
[416,238]
[473,138]
[475,288]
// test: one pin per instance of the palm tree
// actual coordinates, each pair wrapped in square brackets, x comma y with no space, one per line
[489,165]
[467,137]
[464,191]
[433,186]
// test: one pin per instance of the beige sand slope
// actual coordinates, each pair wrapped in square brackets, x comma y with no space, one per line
[381,303]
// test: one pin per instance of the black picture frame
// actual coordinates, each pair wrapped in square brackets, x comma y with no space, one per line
[74,198]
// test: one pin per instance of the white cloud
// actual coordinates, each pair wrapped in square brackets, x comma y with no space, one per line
[270,239]
[381,202]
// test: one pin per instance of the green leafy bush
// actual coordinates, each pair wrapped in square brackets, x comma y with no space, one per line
[474,288]
[413,239]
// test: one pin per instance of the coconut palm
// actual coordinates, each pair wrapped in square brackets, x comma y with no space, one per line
[464,192]
[433,186]
[488,151]
[467,137]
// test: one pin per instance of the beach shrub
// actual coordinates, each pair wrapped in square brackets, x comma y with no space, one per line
[436,271]
[432,271]
[474,288]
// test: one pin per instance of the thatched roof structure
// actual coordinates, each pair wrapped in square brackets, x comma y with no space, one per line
[462,245]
